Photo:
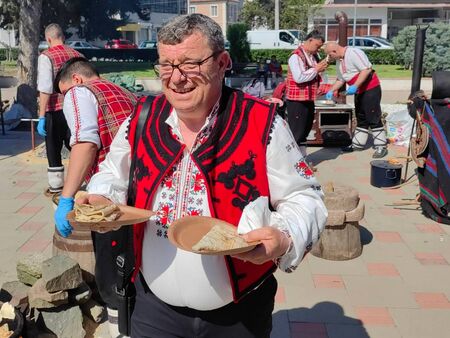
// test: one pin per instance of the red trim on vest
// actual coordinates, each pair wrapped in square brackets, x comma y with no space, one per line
[58,55]
[371,82]
[115,104]
[305,91]
[238,139]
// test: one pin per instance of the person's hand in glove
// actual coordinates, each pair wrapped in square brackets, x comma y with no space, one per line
[41,127]
[329,95]
[352,90]
[65,205]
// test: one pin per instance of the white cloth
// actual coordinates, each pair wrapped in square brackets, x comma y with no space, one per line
[183,278]
[81,111]
[45,75]
[298,70]
[353,62]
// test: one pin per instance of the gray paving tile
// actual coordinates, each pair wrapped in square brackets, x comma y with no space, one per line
[377,291]
[418,323]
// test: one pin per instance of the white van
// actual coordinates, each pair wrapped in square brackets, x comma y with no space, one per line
[273,39]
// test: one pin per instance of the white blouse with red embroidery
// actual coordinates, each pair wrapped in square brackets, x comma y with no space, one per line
[201,282]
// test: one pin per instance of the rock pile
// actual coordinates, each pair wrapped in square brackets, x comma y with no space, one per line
[53,297]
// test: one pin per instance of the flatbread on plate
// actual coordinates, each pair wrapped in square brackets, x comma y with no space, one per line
[96,213]
[220,238]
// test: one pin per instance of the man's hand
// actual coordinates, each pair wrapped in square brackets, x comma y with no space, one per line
[92,199]
[41,127]
[65,206]
[274,244]
[352,90]
[321,66]
[329,95]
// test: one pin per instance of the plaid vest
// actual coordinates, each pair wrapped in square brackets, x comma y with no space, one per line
[232,162]
[305,91]
[58,55]
[115,104]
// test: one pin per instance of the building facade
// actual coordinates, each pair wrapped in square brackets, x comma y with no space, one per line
[383,18]
[224,12]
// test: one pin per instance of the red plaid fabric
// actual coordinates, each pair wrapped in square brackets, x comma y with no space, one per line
[115,104]
[58,55]
[306,91]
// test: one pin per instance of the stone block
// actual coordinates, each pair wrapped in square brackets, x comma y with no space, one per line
[94,310]
[40,298]
[16,293]
[61,273]
[29,268]
[64,321]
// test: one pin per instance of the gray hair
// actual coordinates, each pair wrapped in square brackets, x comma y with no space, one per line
[54,31]
[183,26]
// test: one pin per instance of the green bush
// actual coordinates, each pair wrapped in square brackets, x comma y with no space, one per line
[376,56]
[437,47]
[239,47]
[4,53]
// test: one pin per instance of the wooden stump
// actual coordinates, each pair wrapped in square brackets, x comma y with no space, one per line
[340,239]
[77,246]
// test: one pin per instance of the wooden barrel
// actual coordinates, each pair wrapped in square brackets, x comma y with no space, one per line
[341,238]
[77,246]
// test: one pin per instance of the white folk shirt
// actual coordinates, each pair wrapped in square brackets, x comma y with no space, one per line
[353,62]
[81,111]
[201,282]
[298,70]
[45,75]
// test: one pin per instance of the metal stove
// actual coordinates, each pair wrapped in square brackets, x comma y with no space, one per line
[332,125]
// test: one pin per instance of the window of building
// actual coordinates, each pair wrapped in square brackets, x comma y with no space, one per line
[191,9]
[330,28]
[213,10]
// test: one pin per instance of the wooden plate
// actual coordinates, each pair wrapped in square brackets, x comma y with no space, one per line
[130,215]
[187,231]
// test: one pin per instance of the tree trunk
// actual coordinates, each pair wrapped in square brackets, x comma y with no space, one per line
[30,17]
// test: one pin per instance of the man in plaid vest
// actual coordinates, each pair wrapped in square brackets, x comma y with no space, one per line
[94,109]
[302,85]
[52,124]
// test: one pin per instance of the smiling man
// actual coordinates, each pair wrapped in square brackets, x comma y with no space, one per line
[209,150]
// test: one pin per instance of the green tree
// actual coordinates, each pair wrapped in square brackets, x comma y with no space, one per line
[294,14]
[100,16]
[239,47]
[437,47]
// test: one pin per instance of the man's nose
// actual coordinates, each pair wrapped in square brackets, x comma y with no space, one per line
[178,76]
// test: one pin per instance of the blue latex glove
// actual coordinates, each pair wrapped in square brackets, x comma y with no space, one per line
[41,127]
[65,205]
[329,95]
[352,90]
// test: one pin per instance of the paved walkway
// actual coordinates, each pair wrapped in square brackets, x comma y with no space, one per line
[398,287]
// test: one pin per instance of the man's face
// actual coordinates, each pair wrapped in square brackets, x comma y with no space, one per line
[198,90]
[313,45]
[332,52]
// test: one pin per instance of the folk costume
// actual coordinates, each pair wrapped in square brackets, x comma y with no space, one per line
[302,85]
[49,63]
[235,164]
[94,111]
[367,98]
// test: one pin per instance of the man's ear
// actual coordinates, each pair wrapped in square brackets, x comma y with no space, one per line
[77,79]
[225,62]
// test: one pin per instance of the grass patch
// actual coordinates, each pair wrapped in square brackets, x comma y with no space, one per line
[138,69]
[383,71]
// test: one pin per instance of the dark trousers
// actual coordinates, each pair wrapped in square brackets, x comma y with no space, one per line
[300,116]
[250,318]
[58,133]
[107,246]
[368,109]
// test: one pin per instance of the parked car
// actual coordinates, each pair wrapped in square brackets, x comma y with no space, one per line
[148,44]
[75,44]
[43,45]
[120,44]
[369,43]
